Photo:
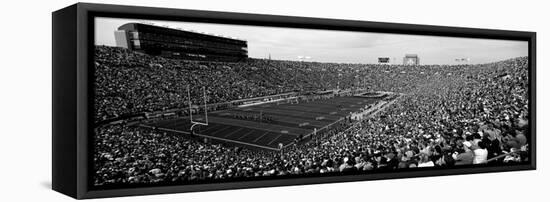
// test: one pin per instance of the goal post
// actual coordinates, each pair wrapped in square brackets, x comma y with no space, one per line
[193,122]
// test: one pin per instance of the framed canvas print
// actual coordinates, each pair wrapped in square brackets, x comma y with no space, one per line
[157,100]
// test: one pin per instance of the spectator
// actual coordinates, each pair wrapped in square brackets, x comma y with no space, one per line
[449,116]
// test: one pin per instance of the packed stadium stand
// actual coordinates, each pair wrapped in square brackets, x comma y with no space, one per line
[446,116]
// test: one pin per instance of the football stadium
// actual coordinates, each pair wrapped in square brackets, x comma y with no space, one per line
[174,106]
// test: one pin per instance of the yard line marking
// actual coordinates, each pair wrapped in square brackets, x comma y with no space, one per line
[217,138]
[214,128]
[307,113]
[291,113]
[221,130]
[231,133]
[246,134]
[260,136]
[256,125]
[274,139]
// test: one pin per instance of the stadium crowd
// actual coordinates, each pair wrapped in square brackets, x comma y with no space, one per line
[450,116]
[128,82]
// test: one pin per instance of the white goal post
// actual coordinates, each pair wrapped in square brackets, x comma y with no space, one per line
[193,123]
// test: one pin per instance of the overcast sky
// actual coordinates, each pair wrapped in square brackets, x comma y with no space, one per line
[339,46]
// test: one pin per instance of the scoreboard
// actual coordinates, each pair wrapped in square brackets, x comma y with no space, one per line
[383,60]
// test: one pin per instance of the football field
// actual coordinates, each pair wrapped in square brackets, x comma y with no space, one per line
[267,125]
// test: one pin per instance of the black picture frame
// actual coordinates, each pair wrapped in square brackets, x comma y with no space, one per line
[72,72]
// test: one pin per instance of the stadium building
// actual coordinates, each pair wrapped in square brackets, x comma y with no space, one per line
[180,44]
[411,59]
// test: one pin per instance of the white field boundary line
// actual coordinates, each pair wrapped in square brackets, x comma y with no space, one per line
[320,129]
[276,138]
[265,102]
[287,128]
[384,106]
[269,148]
[207,136]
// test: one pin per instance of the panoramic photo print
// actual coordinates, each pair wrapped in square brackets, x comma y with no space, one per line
[187,103]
